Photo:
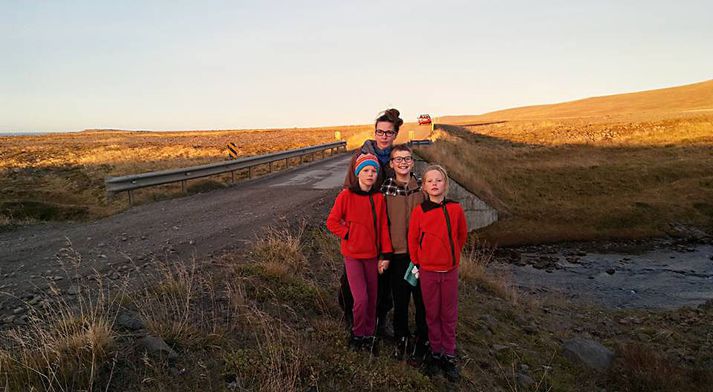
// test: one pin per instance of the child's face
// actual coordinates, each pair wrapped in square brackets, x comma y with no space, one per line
[434,183]
[367,176]
[401,162]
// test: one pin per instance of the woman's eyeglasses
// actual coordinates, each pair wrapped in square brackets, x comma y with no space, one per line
[379,132]
[402,159]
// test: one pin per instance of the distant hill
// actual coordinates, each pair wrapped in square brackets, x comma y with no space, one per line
[687,98]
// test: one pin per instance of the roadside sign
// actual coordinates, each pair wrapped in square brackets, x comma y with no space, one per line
[337,135]
[232,151]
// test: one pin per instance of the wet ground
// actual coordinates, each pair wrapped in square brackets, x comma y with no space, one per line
[658,275]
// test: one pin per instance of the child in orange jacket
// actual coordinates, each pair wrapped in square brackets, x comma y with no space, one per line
[437,234]
[359,218]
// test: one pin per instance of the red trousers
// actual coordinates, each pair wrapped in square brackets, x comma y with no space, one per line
[362,275]
[440,296]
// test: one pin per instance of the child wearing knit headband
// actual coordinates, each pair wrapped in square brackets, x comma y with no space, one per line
[358,217]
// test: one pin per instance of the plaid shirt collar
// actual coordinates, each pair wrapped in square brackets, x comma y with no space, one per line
[391,188]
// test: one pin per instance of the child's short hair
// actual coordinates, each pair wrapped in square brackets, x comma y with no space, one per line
[401,147]
[437,168]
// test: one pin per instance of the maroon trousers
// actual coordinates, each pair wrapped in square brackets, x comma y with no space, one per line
[362,275]
[440,296]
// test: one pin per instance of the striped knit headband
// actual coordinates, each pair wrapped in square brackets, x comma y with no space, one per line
[365,160]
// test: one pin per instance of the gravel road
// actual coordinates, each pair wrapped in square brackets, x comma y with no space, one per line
[197,226]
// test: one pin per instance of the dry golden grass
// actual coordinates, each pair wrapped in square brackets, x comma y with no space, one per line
[691,98]
[61,176]
[474,269]
[281,247]
[239,325]
[616,175]
[64,346]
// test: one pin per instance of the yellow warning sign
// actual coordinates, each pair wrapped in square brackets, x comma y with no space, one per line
[232,150]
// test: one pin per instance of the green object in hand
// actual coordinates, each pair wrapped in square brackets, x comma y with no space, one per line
[410,277]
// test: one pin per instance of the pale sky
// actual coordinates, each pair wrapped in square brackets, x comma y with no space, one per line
[165,65]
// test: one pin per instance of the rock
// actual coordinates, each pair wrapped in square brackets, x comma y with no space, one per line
[499,347]
[588,352]
[524,380]
[130,320]
[530,329]
[157,347]
[611,271]
[21,320]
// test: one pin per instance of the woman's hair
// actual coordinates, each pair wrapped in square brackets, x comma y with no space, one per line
[401,147]
[437,168]
[392,116]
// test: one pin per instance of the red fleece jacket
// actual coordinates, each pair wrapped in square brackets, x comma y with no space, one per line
[436,235]
[359,219]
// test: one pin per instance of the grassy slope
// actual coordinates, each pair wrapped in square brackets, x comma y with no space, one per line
[692,97]
[622,166]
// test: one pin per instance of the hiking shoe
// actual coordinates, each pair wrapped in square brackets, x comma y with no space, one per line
[448,365]
[356,343]
[421,350]
[371,345]
[433,364]
[400,349]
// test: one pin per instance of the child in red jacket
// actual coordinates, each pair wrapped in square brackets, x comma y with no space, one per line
[358,217]
[436,236]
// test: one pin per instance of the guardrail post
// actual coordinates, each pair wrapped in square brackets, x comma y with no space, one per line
[250,171]
[131,198]
[287,163]
[232,176]
[183,186]
[271,167]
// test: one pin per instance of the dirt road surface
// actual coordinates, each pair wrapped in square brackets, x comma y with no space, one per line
[197,226]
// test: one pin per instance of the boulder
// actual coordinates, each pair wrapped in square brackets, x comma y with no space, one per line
[157,347]
[129,320]
[588,353]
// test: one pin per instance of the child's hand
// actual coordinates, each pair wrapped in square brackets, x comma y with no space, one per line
[383,265]
[414,271]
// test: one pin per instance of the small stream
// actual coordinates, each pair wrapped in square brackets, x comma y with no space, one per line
[665,276]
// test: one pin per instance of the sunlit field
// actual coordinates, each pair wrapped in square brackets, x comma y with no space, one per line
[61,176]
[616,175]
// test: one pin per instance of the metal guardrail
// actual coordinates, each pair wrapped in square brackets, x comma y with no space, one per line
[420,142]
[131,182]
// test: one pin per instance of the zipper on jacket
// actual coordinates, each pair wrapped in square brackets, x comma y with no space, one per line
[450,233]
[420,241]
[376,230]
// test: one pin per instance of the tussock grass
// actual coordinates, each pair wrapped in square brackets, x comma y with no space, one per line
[280,246]
[64,346]
[473,269]
[641,369]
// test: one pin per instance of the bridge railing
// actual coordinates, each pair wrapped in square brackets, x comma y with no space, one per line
[132,182]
